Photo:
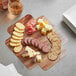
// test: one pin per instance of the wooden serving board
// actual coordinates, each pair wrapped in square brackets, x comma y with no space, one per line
[46,63]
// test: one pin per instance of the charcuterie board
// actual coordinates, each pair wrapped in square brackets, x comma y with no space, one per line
[47,45]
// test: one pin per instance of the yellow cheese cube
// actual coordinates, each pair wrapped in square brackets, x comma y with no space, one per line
[41,22]
[43,31]
[48,27]
[38,27]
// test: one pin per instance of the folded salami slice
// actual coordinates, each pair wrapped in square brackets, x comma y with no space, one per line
[32,22]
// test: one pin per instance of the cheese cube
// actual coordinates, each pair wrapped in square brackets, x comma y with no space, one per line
[43,31]
[48,27]
[39,58]
[38,27]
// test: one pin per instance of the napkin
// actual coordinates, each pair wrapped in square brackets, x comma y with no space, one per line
[9,70]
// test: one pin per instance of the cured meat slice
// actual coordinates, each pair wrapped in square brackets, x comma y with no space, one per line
[30,27]
[23,42]
[36,43]
[26,40]
[29,40]
[31,30]
[33,22]
[33,42]
[40,46]
[45,49]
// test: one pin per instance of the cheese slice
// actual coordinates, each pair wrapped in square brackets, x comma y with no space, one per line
[31,52]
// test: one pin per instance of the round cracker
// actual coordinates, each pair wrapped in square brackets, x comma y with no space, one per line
[55,39]
[15,41]
[17,38]
[20,26]
[14,44]
[49,35]
[54,44]
[52,56]
[57,50]
[17,30]
[18,49]
[18,34]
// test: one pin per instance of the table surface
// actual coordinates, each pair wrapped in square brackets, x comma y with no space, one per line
[53,10]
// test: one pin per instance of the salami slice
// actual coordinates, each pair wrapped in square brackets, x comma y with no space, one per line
[26,40]
[40,46]
[33,42]
[23,43]
[36,43]
[29,40]
[33,22]
[45,49]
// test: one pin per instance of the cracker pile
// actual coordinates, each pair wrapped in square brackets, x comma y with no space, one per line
[17,36]
[56,45]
